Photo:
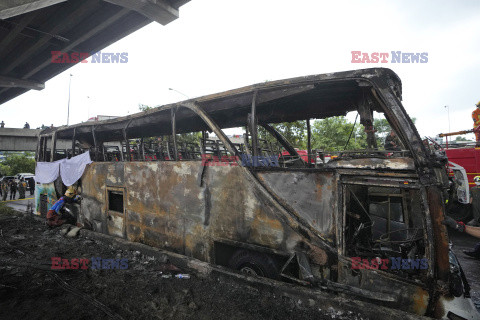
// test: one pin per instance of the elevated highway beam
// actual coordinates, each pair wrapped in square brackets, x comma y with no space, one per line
[30,30]
[12,139]
[17,7]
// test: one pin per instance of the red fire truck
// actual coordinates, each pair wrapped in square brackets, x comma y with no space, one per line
[465,155]
[468,158]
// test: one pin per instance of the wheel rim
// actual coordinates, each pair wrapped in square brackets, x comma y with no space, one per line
[251,271]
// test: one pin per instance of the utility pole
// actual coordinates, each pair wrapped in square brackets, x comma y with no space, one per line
[448,114]
[68,107]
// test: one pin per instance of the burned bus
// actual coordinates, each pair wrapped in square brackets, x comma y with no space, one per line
[366,223]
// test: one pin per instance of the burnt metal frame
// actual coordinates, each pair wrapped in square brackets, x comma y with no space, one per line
[45,143]
[174,133]
[396,116]
[413,184]
[286,215]
[125,138]
[437,247]
[37,152]
[253,129]
[54,144]
[281,139]
[404,127]
[73,142]
[94,143]
[309,146]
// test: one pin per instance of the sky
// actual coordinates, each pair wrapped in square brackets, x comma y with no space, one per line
[217,45]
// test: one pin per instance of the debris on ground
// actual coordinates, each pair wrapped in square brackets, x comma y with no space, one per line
[146,289]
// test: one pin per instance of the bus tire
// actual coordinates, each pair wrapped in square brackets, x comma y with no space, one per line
[254,263]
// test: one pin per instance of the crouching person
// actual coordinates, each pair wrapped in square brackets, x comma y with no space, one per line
[58,215]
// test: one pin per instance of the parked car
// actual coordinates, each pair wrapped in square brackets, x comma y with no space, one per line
[24,176]
[7,178]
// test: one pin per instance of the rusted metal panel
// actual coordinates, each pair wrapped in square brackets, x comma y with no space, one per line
[311,195]
[406,296]
[166,207]
[115,225]
[93,188]
[437,213]
[157,198]
[239,213]
[115,176]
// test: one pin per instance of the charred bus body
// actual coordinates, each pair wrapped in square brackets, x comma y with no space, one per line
[367,223]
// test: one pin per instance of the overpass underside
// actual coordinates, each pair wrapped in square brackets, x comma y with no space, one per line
[31,29]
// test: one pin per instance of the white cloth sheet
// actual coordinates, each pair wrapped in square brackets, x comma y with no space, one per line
[70,170]
[47,172]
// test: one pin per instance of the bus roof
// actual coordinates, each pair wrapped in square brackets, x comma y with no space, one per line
[301,98]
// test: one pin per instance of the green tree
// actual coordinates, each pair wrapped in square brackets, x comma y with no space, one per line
[143,107]
[4,170]
[382,130]
[17,163]
[331,134]
[295,133]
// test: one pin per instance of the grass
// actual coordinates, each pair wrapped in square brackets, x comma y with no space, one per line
[6,210]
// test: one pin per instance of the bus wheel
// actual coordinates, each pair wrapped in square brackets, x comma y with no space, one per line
[254,263]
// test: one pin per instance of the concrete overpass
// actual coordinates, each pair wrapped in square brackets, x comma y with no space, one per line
[13,139]
[31,29]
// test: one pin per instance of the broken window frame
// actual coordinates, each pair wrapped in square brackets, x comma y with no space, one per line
[398,183]
[364,108]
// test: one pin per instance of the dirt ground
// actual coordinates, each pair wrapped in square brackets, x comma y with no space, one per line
[147,289]
[29,289]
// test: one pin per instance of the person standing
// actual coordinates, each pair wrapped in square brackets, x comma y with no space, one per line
[31,185]
[13,189]
[476,121]
[392,143]
[1,189]
[21,189]
[4,191]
